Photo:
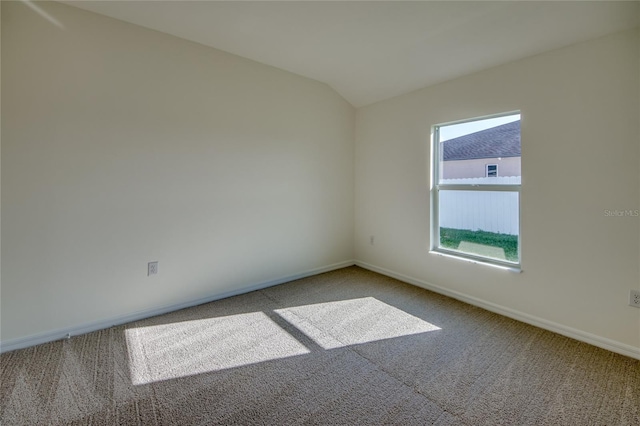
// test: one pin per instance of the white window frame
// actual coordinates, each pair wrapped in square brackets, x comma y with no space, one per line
[486,170]
[436,187]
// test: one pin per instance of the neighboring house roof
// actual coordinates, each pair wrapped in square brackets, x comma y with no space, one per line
[499,141]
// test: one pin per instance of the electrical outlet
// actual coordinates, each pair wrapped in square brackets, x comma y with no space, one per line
[634,298]
[152,268]
[372,239]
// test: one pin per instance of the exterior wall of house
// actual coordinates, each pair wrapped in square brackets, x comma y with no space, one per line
[458,169]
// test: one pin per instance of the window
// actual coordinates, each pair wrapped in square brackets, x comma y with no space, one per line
[475,210]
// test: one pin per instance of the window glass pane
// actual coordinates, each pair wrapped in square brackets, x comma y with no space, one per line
[481,223]
[476,150]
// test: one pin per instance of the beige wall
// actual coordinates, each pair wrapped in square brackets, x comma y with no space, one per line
[122,145]
[458,169]
[580,109]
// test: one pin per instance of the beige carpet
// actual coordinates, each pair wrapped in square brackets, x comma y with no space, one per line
[342,348]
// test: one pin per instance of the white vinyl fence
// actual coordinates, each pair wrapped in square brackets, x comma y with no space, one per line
[491,211]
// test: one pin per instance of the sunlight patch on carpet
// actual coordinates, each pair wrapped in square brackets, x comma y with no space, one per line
[180,349]
[355,321]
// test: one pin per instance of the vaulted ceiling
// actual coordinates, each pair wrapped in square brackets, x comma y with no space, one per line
[370,51]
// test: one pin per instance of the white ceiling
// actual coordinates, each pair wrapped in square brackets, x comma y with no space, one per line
[369,51]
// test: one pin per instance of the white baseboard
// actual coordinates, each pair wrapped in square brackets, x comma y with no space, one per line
[580,335]
[50,336]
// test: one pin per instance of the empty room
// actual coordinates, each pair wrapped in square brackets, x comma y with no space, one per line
[320,212]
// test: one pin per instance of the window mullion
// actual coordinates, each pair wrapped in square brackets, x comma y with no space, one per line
[467,187]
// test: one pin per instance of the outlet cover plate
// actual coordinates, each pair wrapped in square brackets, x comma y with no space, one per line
[152,268]
[634,298]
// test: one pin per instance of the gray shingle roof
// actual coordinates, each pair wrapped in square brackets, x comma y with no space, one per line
[499,141]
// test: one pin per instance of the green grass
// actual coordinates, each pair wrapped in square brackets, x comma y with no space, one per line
[488,244]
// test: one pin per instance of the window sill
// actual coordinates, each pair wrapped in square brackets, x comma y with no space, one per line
[511,267]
